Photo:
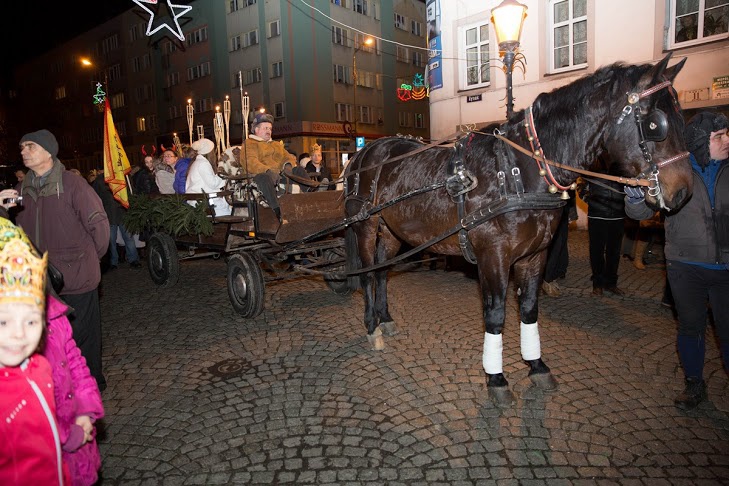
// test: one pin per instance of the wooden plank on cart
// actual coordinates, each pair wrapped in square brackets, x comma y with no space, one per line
[307,213]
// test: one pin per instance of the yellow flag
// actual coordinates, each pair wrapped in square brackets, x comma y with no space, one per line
[116,163]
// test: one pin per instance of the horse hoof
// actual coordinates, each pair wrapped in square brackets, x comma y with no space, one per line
[501,396]
[389,328]
[376,340]
[545,381]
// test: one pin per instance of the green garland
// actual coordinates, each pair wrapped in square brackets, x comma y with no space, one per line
[169,213]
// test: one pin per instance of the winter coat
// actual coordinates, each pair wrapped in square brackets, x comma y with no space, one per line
[61,214]
[113,208]
[76,393]
[603,202]
[30,452]
[181,175]
[201,178]
[258,156]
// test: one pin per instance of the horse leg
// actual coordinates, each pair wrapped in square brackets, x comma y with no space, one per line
[494,282]
[387,247]
[528,273]
[366,245]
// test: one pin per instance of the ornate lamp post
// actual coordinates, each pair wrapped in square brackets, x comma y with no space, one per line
[508,19]
[190,114]
[367,42]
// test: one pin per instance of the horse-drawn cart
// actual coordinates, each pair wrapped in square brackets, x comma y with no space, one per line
[257,247]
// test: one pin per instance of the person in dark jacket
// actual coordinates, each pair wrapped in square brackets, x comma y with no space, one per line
[143,181]
[115,212]
[697,251]
[61,214]
[605,227]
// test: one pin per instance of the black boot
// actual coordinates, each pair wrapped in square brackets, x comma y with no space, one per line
[692,395]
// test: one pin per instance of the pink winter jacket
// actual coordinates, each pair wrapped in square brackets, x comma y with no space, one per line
[76,393]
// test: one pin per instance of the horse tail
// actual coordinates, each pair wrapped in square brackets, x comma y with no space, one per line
[354,262]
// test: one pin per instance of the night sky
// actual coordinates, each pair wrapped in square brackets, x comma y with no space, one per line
[33,27]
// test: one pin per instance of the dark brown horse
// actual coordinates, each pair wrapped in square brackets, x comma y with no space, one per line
[508,216]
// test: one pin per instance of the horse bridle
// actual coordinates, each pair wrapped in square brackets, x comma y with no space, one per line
[651,128]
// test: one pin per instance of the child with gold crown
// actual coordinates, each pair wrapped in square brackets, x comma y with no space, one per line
[30,447]
[75,399]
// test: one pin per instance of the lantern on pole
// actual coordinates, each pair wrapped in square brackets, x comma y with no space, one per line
[218,129]
[245,106]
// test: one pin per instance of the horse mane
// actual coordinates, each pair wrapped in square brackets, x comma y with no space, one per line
[574,117]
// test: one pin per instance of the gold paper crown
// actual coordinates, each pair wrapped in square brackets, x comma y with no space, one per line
[22,272]
[315,148]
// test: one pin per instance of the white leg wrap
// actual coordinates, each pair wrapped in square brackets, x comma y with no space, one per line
[493,347]
[530,346]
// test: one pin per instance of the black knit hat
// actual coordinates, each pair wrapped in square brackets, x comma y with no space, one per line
[697,133]
[45,139]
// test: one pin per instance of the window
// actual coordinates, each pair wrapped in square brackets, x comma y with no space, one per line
[199,71]
[341,3]
[109,44]
[365,79]
[359,42]
[144,93]
[173,79]
[60,93]
[141,63]
[235,43]
[402,54]
[141,124]
[475,42]
[696,21]
[418,59]
[277,69]
[250,38]
[200,106]
[175,112]
[121,127]
[169,47]
[344,112]
[117,100]
[152,122]
[114,72]
[405,119]
[419,120]
[360,6]
[236,5]
[341,74]
[251,76]
[279,110]
[197,36]
[400,21]
[416,28]
[365,114]
[568,39]
[135,32]
[274,28]
[339,36]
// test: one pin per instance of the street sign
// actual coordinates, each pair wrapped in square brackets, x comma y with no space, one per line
[360,143]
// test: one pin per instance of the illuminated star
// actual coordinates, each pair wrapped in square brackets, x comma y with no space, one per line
[177,32]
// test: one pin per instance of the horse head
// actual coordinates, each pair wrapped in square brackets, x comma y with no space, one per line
[646,136]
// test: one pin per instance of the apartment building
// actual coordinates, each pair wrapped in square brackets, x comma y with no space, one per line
[566,39]
[293,58]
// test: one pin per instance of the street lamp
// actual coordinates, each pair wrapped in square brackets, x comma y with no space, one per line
[508,19]
[367,42]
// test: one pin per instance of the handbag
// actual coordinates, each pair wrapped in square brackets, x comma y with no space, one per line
[56,278]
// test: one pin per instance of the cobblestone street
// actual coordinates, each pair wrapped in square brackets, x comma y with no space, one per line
[198,395]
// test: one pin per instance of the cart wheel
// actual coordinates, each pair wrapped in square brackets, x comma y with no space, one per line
[338,286]
[245,285]
[162,260]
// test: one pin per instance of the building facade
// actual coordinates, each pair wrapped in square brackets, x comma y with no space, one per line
[563,40]
[294,59]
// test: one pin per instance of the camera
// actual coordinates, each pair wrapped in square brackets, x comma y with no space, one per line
[16,200]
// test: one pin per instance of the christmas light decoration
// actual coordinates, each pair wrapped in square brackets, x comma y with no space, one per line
[176,14]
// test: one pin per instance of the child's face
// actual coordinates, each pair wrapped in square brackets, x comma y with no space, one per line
[21,328]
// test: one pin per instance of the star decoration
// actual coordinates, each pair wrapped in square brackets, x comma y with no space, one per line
[176,14]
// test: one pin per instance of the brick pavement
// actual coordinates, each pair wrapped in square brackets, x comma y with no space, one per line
[295,396]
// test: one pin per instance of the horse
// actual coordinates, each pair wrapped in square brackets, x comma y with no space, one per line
[492,197]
